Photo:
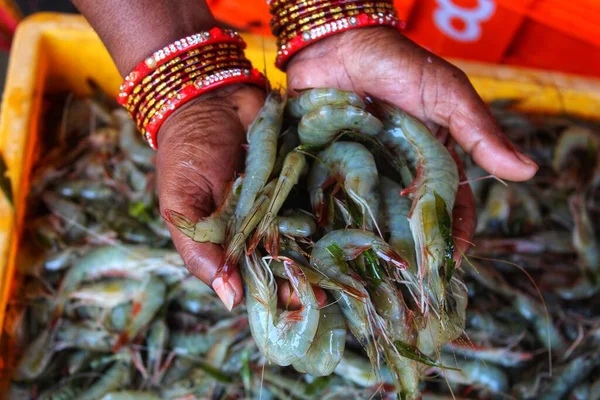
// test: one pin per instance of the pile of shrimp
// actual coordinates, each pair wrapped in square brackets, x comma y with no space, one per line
[353,196]
[533,273]
[340,192]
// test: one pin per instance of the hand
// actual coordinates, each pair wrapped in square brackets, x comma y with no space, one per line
[385,63]
[199,151]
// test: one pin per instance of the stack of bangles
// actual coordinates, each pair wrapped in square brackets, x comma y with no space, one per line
[199,63]
[182,71]
[299,23]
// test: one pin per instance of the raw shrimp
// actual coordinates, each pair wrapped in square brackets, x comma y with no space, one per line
[329,257]
[129,141]
[324,124]
[80,336]
[356,165]
[85,190]
[500,356]
[433,192]
[213,228]
[327,347]
[575,371]
[238,240]
[106,293]
[300,225]
[396,210]
[156,342]
[389,305]
[294,164]
[72,214]
[449,324]
[475,373]
[37,357]
[312,99]
[146,302]
[289,141]
[134,262]
[262,149]
[358,371]
[284,337]
[130,395]
[117,376]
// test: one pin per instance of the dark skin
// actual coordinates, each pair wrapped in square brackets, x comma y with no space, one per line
[200,144]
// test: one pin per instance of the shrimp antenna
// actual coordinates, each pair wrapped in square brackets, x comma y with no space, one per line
[493,176]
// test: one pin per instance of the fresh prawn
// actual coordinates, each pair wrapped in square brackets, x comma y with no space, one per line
[322,125]
[213,228]
[283,338]
[312,99]
[356,165]
[294,164]
[262,149]
[433,192]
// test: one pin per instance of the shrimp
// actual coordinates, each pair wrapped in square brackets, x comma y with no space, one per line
[389,305]
[314,277]
[37,357]
[71,335]
[322,125]
[158,336]
[117,376]
[70,391]
[289,141]
[396,210]
[433,192]
[475,373]
[282,338]
[570,374]
[329,257]
[129,141]
[213,228]
[356,165]
[294,164]
[532,311]
[72,214]
[449,324]
[588,252]
[146,302]
[327,348]
[312,99]
[299,225]
[106,293]
[236,246]
[500,356]
[134,262]
[262,149]
[130,395]
[357,370]
[575,156]
[85,190]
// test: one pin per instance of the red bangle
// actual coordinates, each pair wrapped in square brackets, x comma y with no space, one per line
[299,23]
[182,71]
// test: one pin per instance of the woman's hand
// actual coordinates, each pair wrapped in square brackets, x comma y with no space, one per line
[199,151]
[385,63]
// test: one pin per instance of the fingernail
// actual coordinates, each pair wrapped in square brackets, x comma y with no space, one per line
[525,159]
[225,292]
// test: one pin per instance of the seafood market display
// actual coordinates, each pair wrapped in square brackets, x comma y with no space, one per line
[348,203]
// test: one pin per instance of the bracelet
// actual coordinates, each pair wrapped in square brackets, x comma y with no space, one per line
[182,71]
[299,23]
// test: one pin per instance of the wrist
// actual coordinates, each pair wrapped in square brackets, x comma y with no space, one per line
[131,30]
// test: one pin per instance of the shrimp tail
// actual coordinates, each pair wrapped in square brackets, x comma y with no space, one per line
[184,224]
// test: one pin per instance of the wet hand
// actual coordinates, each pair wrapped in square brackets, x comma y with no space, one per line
[385,63]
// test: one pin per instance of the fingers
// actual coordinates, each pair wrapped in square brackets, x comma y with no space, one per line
[202,260]
[288,299]
[460,108]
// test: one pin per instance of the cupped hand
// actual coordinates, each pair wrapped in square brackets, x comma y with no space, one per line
[385,63]
[199,152]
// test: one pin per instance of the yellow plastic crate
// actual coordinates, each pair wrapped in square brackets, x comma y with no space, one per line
[53,52]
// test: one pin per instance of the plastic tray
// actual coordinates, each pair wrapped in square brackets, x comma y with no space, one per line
[55,52]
